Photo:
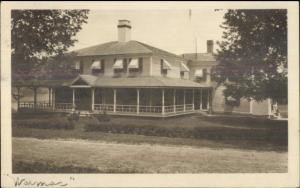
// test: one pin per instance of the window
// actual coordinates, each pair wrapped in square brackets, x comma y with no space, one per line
[81,67]
[200,75]
[163,71]
[181,74]
[97,66]
[140,64]
[125,65]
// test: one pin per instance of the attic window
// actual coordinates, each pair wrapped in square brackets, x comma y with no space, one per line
[79,67]
[133,64]
[166,64]
[200,74]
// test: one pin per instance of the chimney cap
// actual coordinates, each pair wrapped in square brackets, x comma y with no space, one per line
[124,23]
[210,41]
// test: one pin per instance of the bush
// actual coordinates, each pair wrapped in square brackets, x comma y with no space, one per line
[49,123]
[74,116]
[103,117]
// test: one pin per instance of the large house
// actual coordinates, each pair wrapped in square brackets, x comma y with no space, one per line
[127,77]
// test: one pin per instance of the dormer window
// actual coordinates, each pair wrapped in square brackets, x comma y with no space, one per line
[164,67]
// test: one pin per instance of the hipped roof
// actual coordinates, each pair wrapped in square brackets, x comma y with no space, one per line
[122,48]
[138,82]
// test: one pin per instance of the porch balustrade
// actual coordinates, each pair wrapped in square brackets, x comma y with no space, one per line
[64,106]
[38,105]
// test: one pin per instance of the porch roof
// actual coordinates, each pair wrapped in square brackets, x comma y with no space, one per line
[40,83]
[139,82]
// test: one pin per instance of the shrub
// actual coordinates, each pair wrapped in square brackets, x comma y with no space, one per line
[49,123]
[103,117]
[74,116]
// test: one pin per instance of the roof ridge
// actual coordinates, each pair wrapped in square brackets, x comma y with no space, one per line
[149,48]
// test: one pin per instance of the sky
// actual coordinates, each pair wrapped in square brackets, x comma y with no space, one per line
[173,30]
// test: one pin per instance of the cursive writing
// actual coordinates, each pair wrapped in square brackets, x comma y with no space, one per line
[25,182]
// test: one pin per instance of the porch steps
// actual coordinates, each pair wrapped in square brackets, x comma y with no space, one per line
[85,114]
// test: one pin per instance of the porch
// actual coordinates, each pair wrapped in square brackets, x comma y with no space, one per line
[152,102]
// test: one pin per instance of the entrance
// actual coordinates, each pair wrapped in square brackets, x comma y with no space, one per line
[83,99]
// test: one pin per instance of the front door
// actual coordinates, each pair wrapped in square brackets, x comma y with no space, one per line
[83,99]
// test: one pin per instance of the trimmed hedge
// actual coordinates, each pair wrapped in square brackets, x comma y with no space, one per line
[211,133]
[47,123]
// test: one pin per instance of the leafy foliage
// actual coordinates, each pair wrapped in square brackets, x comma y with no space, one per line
[39,34]
[253,54]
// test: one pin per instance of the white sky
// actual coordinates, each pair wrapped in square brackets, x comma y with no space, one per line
[170,29]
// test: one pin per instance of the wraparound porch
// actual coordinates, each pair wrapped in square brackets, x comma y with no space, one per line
[154,102]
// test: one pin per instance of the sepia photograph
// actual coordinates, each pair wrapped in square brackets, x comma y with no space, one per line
[185,90]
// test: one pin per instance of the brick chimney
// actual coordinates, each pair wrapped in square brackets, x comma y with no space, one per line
[124,31]
[210,46]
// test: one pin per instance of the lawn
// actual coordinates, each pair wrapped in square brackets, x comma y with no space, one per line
[104,157]
[205,144]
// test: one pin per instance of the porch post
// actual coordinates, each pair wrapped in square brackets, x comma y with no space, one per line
[18,98]
[251,106]
[93,98]
[208,100]
[115,99]
[184,100]
[73,101]
[34,97]
[137,101]
[163,102]
[53,99]
[200,98]
[269,107]
[193,100]
[174,99]
[49,91]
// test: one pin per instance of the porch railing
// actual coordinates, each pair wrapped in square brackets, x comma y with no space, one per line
[169,109]
[38,105]
[104,107]
[150,109]
[126,108]
[64,106]
[188,107]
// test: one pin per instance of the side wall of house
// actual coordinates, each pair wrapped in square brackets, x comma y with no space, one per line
[109,61]
[175,69]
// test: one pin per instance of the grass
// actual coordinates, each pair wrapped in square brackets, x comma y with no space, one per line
[190,130]
[223,144]
[102,157]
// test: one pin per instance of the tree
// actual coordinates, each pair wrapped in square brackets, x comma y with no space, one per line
[253,55]
[40,34]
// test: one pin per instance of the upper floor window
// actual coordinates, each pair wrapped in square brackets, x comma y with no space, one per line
[79,67]
[98,66]
[181,74]
[200,75]
[183,69]
[164,67]
[119,65]
[135,65]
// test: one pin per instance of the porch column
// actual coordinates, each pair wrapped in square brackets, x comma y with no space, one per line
[93,98]
[115,99]
[34,97]
[251,106]
[174,99]
[269,108]
[163,102]
[18,98]
[201,99]
[53,99]
[193,100]
[184,100]
[208,100]
[73,101]
[49,91]
[137,101]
